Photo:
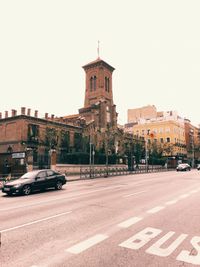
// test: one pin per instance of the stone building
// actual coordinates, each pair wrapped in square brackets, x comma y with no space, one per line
[20,134]
[95,123]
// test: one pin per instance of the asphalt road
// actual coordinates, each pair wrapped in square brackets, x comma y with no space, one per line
[136,220]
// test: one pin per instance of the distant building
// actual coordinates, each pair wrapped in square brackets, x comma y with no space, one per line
[167,129]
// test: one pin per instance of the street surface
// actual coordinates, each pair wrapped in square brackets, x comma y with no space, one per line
[136,220]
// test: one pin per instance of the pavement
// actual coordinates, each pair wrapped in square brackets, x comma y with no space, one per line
[124,221]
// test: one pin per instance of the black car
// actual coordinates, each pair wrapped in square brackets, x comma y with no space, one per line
[34,181]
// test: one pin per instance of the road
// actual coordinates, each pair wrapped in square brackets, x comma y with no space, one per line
[136,220]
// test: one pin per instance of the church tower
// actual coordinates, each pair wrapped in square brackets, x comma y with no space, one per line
[98,82]
[98,103]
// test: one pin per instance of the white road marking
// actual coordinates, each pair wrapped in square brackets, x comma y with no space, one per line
[61,198]
[129,222]
[194,191]
[140,239]
[171,202]
[34,222]
[82,246]
[136,193]
[156,209]
[184,195]
[157,249]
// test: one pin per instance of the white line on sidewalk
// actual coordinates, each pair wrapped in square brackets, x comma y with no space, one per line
[133,194]
[78,248]
[130,222]
[156,209]
[34,222]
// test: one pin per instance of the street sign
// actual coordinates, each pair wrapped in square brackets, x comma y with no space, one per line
[18,155]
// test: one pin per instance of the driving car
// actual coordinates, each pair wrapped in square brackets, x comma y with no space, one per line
[183,167]
[35,181]
[198,167]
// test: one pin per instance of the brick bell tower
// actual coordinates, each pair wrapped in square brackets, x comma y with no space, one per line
[98,104]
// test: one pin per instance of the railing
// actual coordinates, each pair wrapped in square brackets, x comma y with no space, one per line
[95,172]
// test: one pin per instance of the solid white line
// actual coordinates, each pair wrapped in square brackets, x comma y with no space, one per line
[194,191]
[156,209]
[171,202]
[136,193]
[78,248]
[184,196]
[129,222]
[33,222]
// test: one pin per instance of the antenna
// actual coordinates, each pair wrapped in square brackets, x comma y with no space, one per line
[98,49]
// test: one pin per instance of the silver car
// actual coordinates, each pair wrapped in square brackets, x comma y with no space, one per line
[183,167]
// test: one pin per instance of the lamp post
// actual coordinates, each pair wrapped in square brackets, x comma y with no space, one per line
[90,160]
[146,155]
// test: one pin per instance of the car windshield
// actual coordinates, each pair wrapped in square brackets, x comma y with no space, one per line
[28,175]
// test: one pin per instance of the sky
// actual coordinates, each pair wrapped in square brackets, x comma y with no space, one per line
[154,47]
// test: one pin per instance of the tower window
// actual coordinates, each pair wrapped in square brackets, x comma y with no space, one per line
[107,84]
[93,83]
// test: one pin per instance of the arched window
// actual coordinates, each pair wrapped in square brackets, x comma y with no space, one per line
[108,84]
[95,81]
[91,84]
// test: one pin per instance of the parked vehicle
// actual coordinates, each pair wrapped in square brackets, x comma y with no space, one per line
[35,181]
[198,167]
[183,167]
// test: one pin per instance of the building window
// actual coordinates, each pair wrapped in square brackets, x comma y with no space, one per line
[161,140]
[91,84]
[95,83]
[168,139]
[107,84]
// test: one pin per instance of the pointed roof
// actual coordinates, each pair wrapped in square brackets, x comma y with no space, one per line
[98,62]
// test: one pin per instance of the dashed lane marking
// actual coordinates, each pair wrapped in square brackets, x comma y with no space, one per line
[184,195]
[156,209]
[171,202]
[82,246]
[130,222]
[136,193]
[34,222]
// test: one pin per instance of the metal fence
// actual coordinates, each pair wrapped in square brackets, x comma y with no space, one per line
[95,172]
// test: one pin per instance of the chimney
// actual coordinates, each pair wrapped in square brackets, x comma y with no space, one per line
[0,115]
[14,112]
[29,112]
[23,111]
[6,114]
[36,113]
[46,116]
[52,116]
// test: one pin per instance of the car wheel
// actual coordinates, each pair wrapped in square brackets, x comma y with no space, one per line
[26,190]
[58,185]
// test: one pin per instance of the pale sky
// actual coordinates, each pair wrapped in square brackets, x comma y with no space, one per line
[153,45]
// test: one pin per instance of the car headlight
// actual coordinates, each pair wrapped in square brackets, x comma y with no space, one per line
[17,185]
